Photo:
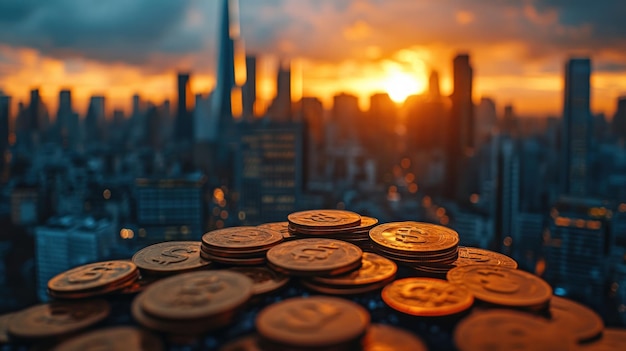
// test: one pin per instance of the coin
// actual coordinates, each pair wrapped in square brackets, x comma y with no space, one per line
[92,276]
[197,294]
[115,338]
[382,337]
[509,330]
[319,219]
[472,255]
[502,286]
[314,256]
[241,238]
[57,318]
[612,339]
[316,321]
[581,321]
[253,261]
[4,326]
[414,237]
[170,257]
[343,290]
[374,268]
[426,297]
[265,280]
[115,286]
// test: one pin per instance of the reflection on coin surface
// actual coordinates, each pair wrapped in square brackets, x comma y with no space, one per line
[426,297]
[612,339]
[502,286]
[374,268]
[241,238]
[324,219]
[112,339]
[57,318]
[92,276]
[382,337]
[313,256]
[504,330]
[414,236]
[265,280]
[171,256]
[472,255]
[197,295]
[315,321]
[581,321]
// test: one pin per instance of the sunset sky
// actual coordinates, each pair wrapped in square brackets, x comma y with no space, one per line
[120,47]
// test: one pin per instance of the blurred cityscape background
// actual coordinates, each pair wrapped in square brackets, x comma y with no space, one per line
[528,159]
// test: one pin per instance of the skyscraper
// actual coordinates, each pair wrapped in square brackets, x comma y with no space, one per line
[576,133]
[184,124]
[280,111]
[95,119]
[460,128]
[249,88]
[5,104]
[67,120]
[619,119]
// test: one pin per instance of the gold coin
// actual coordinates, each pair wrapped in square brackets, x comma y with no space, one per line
[612,339]
[57,318]
[316,321]
[170,257]
[414,237]
[502,286]
[265,280]
[241,238]
[426,297]
[244,261]
[197,294]
[374,268]
[315,256]
[320,219]
[92,276]
[472,255]
[382,337]
[504,330]
[343,290]
[581,321]
[4,326]
[115,338]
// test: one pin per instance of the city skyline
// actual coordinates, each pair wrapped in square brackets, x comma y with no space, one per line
[517,51]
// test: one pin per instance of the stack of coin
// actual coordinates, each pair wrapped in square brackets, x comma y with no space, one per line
[192,303]
[332,224]
[497,285]
[313,323]
[509,330]
[93,279]
[427,297]
[56,319]
[240,246]
[116,338]
[169,258]
[422,246]
[308,257]
[470,256]
[374,274]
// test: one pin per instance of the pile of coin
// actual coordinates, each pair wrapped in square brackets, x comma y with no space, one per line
[333,224]
[192,303]
[240,246]
[375,272]
[468,256]
[422,246]
[93,279]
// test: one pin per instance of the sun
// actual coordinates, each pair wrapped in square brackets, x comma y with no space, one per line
[399,85]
